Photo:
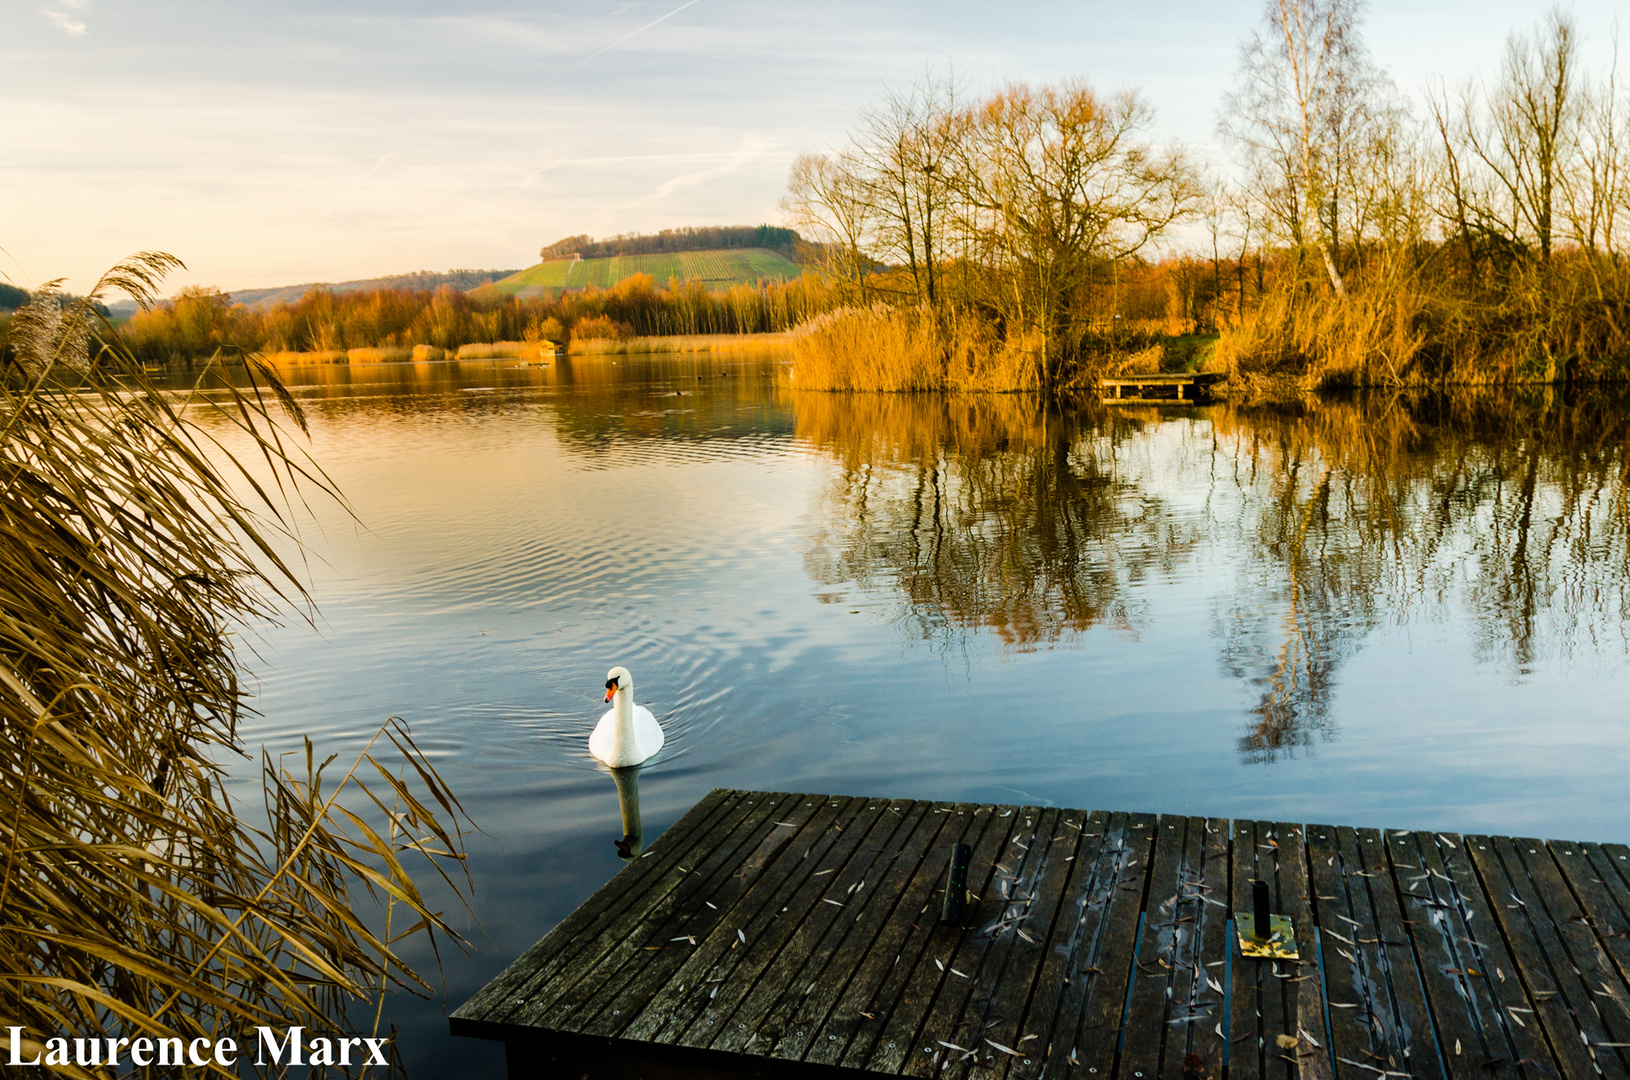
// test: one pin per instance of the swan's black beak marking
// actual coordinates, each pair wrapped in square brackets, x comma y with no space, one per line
[611,689]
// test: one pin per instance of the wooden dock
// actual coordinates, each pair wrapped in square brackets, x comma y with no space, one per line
[785,935]
[1183,389]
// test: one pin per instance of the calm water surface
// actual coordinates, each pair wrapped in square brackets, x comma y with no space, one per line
[1387,613]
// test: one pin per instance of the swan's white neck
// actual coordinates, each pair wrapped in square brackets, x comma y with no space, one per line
[623,746]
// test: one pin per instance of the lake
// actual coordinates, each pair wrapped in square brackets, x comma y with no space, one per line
[1392,612]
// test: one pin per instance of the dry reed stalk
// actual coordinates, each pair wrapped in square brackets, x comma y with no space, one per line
[135,899]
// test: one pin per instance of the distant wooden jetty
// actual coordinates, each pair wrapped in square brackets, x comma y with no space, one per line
[1184,389]
[785,935]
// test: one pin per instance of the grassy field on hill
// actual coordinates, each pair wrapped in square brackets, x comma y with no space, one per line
[716,269]
[263,299]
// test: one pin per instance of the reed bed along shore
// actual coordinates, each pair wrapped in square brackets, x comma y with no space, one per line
[401,354]
[533,351]
[897,349]
[680,343]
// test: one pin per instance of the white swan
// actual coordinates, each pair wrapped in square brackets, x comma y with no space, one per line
[627,734]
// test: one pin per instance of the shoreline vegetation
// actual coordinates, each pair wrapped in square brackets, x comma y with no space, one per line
[1362,245]
[140,898]
[537,352]
[386,325]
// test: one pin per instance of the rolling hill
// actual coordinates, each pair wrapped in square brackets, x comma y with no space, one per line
[465,280]
[715,269]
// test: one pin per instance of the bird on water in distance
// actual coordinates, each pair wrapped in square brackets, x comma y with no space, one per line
[627,734]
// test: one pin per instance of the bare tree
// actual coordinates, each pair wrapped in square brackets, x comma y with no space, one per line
[1509,149]
[831,200]
[1027,198]
[1307,99]
[1067,188]
[911,143]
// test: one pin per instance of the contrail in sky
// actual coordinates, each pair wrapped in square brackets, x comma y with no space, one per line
[620,40]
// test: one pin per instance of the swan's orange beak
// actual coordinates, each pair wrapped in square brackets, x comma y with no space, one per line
[611,690]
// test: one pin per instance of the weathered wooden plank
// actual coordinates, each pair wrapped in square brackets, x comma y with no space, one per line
[773,927]
[711,855]
[1178,1000]
[1304,996]
[1161,966]
[1003,1010]
[1287,1001]
[1603,993]
[758,1020]
[872,947]
[715,960]
[1456,944]
[1255,999]
[563,944]
[1352,983]
[935,963]
[1206,1039]
[1378,1014]
[1087,1032]
[1591,877]
[983,1012]
[1063,940]
[1505,881]
[628,973]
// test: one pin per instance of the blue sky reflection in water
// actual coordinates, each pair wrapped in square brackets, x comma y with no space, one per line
[1210,612]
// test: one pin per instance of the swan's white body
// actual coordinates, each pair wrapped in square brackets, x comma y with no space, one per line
[627,734]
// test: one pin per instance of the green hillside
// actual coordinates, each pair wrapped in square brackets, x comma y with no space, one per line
[717,269]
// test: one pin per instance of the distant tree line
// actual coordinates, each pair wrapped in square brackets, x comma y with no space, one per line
[708,238]
[419,279]
[198,322]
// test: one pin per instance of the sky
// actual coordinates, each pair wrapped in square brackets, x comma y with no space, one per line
[287,141]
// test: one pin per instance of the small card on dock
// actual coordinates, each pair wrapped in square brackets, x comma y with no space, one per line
[1278,945]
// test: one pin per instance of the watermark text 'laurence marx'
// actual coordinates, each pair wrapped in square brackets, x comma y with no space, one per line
[198,1052]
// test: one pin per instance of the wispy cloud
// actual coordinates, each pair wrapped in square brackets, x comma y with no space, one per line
[619,41]
[751,147]
[64,21]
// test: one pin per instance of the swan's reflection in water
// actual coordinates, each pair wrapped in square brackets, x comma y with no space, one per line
[628,801]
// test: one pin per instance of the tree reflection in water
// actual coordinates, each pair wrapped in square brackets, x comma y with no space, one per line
[1325,520]
[987,512]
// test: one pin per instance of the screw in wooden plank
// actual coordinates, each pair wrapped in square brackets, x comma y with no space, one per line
[1262,927]
[956,884]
